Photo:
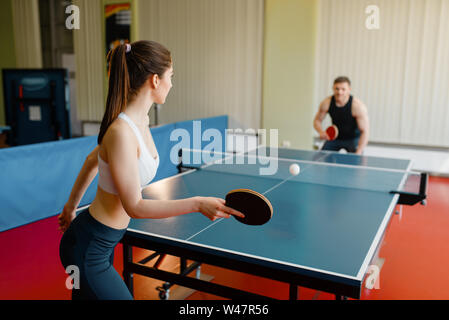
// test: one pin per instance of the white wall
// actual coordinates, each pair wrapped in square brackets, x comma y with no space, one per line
[217,50]
[400,71]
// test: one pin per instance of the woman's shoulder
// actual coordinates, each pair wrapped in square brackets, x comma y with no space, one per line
[118,132]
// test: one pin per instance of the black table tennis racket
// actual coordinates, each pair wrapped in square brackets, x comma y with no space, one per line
[256,207]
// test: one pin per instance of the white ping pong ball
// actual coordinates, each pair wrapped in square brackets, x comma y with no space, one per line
[294,169]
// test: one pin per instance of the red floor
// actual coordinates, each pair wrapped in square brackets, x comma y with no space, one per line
[416,249]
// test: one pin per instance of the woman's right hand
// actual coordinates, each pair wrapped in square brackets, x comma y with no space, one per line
[214,208]
[66,217]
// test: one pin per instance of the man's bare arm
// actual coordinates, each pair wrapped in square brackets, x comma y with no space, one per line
[360,113]
[319,117]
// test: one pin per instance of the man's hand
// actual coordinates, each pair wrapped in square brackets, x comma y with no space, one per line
[324,135]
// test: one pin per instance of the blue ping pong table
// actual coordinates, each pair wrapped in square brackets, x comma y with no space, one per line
[328,222]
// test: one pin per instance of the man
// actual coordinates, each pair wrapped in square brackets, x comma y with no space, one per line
[350,116]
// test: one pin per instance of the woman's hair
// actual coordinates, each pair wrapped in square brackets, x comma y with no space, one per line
[130,65]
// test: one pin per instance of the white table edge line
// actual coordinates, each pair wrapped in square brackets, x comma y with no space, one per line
[380,230]
[247,255]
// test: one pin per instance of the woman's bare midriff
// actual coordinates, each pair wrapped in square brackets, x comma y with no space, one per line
[107,209]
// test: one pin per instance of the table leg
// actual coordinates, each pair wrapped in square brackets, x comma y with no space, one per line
[128,258]
[293,292]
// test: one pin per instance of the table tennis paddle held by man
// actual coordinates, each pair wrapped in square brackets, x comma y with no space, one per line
[349,116]
[332,132]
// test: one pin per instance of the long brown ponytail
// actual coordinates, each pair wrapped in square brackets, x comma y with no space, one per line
[128,71]
[118,88]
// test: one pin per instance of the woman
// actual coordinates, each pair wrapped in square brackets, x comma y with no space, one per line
[126,160]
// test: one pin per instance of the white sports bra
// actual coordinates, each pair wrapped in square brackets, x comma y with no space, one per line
[147,164]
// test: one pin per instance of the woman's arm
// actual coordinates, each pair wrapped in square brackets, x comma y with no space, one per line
[84,179]
[121,148]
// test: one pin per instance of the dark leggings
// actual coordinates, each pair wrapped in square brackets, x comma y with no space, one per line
[89,245]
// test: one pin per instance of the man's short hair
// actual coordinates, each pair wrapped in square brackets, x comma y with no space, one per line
[342,79]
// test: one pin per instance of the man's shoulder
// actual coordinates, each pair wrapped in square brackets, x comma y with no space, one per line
[358,105]
[326,102]
[357,102]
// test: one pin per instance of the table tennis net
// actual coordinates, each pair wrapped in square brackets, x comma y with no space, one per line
[316,172]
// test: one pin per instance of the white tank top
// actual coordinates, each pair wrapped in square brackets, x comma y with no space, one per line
[147,164]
